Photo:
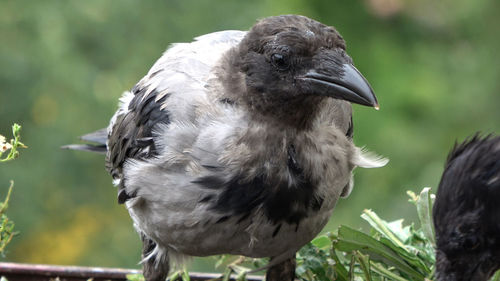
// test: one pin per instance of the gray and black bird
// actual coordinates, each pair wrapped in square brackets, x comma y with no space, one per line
[238,143]
[467,212]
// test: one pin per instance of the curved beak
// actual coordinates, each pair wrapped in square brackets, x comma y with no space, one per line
[349,85]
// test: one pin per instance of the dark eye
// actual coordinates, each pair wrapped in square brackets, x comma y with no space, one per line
[280,61]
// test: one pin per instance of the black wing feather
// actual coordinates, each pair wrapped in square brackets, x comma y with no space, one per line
[131,136]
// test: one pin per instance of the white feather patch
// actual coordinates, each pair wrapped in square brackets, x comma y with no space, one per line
[366,159]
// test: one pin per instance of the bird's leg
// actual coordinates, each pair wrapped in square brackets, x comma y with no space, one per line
[152,268]
[284,271]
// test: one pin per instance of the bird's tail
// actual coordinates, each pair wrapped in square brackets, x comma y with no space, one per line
[98,138]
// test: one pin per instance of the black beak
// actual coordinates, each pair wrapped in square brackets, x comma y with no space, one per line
[350,85]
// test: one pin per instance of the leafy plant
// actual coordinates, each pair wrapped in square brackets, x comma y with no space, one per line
[11,148]
[390,252]
[6,225]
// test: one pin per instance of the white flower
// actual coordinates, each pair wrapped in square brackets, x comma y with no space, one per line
[4,146]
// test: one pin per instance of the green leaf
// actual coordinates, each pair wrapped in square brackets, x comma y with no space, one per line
[381,270]
[402,232]
[242,276]
[322,242]
[351,240]
[314,264]
[238,269]
[424,210]
[174,276]
[185,275]
[496,276]
[364,263]
[341,272]
[227,274]
[381,226]
[408,257]
[222,259]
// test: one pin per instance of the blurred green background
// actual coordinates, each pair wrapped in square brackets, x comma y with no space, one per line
[63,64]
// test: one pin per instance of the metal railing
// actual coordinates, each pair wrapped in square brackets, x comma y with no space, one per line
[41,272]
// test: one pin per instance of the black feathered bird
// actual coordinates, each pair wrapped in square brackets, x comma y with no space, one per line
[238,143]
[467,212]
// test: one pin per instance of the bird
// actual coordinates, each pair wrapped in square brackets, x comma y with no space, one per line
[466,211]
[239,142]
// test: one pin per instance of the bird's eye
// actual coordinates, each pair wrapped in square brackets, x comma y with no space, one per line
[280,61]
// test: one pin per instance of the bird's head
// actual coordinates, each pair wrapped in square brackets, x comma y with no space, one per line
[467,212]
[291,59]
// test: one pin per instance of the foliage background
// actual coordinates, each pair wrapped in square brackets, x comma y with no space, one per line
[63,64]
